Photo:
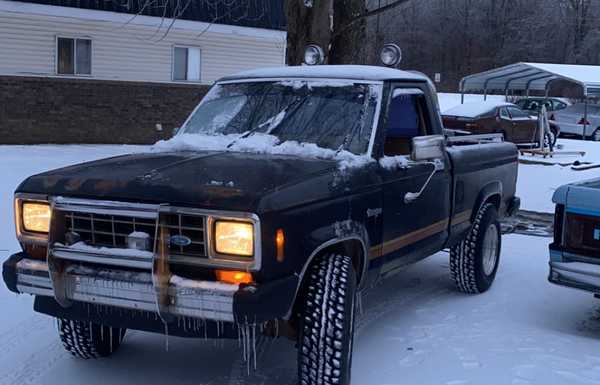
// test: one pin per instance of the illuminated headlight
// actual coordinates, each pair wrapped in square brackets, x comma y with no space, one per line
[234,238]
[36,217]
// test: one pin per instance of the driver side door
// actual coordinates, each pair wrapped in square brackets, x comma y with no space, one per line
[416,229]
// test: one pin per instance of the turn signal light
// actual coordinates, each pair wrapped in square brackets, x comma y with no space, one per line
[280,243]
[233,277]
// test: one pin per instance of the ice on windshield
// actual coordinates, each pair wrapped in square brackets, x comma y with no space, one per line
[335,115]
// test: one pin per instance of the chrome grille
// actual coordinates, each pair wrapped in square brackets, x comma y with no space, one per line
[105,230]
[191,226]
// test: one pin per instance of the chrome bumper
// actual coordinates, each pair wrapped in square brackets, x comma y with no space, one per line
[578,275]
[187,298]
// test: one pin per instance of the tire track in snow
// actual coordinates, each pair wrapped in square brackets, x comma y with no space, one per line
[15,336]
[381,308]
[36,365]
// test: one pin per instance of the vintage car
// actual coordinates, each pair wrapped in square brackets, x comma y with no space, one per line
[516,125]
[286,193]
[575,250]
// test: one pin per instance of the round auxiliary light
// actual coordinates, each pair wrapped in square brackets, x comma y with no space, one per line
[313,55]
[391,55]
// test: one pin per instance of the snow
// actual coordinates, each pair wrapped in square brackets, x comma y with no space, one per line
[139,235]
[393,162]
[359,72]
[83,247]
[475,109]
[259,143]
[31,264]
[183,283]
[537,182]
[450,100]
[297,84]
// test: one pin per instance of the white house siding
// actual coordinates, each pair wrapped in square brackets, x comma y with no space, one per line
[134,51]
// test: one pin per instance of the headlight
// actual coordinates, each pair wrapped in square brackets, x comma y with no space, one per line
[234,238]
[36,217]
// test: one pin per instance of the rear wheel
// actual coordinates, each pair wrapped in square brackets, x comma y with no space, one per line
[474,261]
[327,322]
[87,340]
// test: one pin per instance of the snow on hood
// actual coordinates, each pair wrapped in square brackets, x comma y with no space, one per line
[259,144]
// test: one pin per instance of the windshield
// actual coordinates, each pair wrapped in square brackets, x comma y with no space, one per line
[336,115]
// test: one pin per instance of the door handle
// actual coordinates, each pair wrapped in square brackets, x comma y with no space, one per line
[410,197]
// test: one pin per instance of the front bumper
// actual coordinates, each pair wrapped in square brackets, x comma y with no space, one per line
[136,292]
[577,275]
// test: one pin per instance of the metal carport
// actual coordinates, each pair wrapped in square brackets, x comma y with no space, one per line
[533,76]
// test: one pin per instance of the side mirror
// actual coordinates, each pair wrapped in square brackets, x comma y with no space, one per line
[427,148]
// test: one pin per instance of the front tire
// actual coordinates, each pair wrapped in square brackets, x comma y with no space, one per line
[87,340]
[327,322]
[474,261]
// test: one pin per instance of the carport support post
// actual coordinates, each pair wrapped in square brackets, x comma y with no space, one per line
[585,116]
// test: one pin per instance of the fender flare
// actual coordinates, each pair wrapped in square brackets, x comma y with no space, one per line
[334,240]
[489,190]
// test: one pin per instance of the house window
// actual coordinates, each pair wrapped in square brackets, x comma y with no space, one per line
[186,64]
[74,56]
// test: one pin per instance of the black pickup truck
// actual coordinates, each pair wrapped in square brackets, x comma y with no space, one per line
[285,194]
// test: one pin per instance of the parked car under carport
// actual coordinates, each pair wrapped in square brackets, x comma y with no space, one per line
[576,121]
[489,117]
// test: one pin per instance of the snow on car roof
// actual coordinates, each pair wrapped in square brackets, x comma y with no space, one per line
[355,72]
[472,110]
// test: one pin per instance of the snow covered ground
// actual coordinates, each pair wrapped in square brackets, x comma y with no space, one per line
[537,182]
[415,329]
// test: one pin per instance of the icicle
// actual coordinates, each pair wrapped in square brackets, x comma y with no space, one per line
[254,343]
[102,333]
[111,339]
[243,343]
[359,300]
[248,348]
[166,336]
[91,333]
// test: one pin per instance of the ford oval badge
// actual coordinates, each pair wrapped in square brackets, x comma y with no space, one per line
[180,240]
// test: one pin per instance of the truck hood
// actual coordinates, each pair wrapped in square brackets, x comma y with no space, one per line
[216,180]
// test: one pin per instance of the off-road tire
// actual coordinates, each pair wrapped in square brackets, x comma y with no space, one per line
[467,257]
[327,322]
[87,340]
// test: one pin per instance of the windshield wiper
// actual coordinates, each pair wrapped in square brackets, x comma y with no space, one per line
[295,104]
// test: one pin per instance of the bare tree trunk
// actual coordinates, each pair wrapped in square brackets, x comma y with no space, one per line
[307,25]
[337,26]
